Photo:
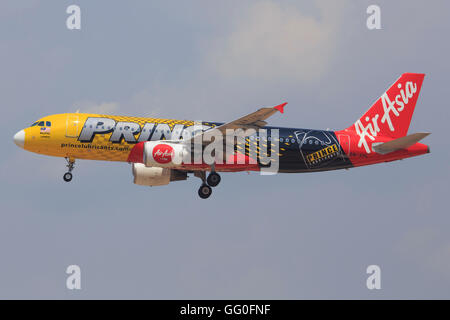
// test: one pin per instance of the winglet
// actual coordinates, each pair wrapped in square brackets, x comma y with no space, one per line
[280,107]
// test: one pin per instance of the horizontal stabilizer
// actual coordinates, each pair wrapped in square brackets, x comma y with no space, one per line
[400,143]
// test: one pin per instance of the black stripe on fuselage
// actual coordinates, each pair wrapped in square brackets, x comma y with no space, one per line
[312,150]
[308,150]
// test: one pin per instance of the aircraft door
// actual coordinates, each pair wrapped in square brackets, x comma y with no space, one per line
[72,126]
[344,141]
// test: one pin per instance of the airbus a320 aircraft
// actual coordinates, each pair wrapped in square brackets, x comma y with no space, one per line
[157,148]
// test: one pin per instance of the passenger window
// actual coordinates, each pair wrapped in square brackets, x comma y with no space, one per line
[48,124]
[41,124]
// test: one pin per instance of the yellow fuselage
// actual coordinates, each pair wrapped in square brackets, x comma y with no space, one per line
[111,139]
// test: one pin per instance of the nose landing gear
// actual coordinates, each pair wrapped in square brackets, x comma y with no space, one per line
[67,177]
[70,165]
[205,189]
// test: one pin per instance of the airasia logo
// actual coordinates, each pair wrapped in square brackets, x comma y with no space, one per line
[162,153]
[390,107]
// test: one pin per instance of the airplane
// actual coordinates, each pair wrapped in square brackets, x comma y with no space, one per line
[157,148]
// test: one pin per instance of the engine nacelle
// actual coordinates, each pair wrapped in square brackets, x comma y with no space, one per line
[155,176]
[163,154]
[150,176]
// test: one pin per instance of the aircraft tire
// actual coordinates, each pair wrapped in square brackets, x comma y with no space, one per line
[67,177]
[204,191]
[213,179]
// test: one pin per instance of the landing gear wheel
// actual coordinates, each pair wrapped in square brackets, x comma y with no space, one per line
[67,177]
[213,179]
[70,165]
[205,191]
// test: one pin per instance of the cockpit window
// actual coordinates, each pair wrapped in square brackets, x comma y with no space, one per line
[48,124]
[34,124]
[41,124]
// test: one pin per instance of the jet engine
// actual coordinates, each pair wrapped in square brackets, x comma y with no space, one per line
[155,176]
[163,154]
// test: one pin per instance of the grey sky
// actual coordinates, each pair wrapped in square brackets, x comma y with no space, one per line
[285,236]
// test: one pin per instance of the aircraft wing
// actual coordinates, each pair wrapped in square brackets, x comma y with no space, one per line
[253,120]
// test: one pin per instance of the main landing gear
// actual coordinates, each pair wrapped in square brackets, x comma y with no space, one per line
[70,165]
[213,179]
[205,189]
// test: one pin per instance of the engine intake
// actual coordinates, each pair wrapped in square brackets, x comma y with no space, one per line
[163,154]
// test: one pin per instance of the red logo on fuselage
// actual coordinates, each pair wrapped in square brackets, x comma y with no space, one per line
[162,153]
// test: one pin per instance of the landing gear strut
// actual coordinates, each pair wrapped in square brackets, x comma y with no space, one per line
[205,189]
[70,165]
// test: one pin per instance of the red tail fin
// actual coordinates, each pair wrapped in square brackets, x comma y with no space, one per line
[391,114]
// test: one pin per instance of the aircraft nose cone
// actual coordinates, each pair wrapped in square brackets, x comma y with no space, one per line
[19,138]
